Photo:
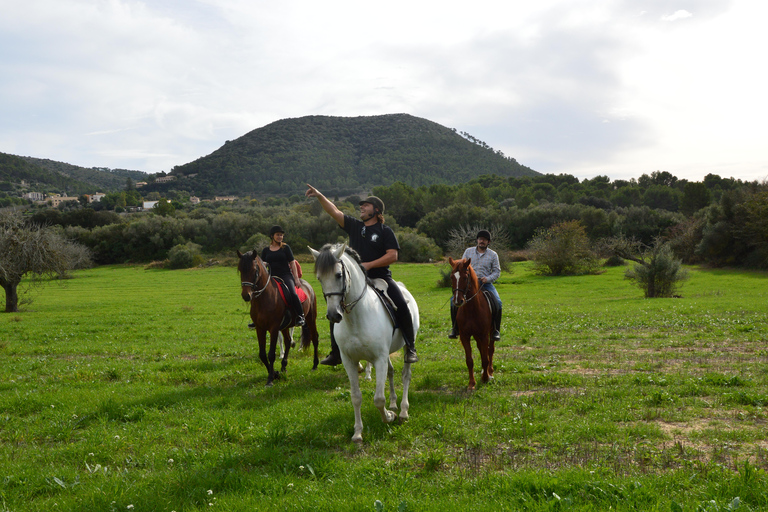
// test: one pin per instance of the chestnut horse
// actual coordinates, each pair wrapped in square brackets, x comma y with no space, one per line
[473,317]
[270,314]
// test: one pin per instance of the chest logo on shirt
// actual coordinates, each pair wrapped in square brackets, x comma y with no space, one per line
[374,237]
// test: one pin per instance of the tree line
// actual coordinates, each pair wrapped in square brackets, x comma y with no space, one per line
[717,221]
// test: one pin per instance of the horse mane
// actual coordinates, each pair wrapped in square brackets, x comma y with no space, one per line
[326,261]
[246,261]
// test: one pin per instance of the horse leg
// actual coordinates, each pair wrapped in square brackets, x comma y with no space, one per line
[466,342]
[262,335]
[391,379]
[357,397]
[285,348]
[404,403]
[273,375]
[368,368]
[491,350]
[379,400]
[482,346]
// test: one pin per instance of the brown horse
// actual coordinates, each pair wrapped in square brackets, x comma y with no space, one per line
[270,314]
[473,317]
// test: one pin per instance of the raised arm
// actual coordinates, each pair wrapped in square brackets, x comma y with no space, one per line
[328,206]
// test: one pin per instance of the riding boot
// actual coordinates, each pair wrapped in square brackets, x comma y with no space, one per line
[298,311]
[406,328]
[454,331]
[334,357]
[496,325]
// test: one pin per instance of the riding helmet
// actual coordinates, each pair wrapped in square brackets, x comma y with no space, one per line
[484,234]
[375,201]
[275,229]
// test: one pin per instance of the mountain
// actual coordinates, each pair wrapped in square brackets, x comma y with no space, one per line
[104,179]
[341,155]
[42,175]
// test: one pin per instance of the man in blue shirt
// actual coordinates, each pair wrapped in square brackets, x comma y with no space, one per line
[377,246]
[485,261]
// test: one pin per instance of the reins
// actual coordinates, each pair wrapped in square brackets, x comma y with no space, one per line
[346,307]
[464,292]
[256,294]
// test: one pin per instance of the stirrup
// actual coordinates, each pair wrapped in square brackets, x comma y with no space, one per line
[300,321]
[410,355]
[332,359]
[496,335]
[454,334]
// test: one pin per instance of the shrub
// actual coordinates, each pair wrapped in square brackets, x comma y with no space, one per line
[656,271]
[417,248]
[564,249]
[184,256]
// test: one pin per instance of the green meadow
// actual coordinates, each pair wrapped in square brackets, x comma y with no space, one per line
[125,389]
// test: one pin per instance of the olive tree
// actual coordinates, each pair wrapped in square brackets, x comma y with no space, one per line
[656,271]
[36,250]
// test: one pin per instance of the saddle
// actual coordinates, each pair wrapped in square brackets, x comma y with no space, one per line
[491,302]
[283,289]
[380,287]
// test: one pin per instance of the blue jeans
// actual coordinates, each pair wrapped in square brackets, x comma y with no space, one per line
[489,287]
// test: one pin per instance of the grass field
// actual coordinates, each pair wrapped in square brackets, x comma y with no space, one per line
[126,389]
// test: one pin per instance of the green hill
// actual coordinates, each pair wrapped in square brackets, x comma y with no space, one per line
[104,179]
[341,155]
[49,176]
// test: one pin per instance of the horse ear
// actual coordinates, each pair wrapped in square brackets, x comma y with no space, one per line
[339,251]
[239,255]
[469,260]
[451,261]
[315,254]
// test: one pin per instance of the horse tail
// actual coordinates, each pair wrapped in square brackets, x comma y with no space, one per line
[306,338]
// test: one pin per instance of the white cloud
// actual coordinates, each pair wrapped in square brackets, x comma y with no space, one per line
[577,86]
[677,15]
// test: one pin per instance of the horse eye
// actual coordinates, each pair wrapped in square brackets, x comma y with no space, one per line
[338,275]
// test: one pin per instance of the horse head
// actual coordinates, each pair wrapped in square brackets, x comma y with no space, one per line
[334,277]
[251,273]
[463,281]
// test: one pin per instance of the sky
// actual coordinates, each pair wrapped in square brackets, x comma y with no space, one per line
[581,87]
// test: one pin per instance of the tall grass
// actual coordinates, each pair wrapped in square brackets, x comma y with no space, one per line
[131,389]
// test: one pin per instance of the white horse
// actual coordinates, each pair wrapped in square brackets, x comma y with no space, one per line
[363,330]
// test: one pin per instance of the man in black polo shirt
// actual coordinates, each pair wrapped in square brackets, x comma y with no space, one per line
[377,246]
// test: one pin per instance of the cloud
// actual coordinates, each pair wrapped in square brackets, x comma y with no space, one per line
[677,15]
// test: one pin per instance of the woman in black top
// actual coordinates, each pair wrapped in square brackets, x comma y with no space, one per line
[283,265]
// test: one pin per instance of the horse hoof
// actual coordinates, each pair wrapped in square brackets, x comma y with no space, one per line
[404,416]
[269,384]
[357,438]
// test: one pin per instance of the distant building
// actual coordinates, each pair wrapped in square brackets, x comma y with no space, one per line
[164,179]
[225,198]
[57,199]
[148,205]
[140,184]
[194,199]
[34,196]
[94,198]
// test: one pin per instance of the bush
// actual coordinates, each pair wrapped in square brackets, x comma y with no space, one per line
[659,274]
[657,271]
[417,248]
[564,249]
[184,256]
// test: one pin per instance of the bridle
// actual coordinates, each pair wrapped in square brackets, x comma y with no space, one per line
[347,307]
[256,294]
[464,290]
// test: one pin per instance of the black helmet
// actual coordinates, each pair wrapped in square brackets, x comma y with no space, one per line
[275,229]
[375,201]
[484,234]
